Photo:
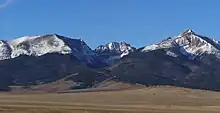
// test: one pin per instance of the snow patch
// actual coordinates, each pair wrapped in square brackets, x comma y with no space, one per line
[172,54]
[150,48]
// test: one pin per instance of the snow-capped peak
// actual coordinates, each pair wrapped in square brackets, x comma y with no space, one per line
[41,45]
[121,48]
[38,45]
[187,32]
[189,43]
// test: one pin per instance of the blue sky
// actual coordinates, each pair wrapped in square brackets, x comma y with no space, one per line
[139,22]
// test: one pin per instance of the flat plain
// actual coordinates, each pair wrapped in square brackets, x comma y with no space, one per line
[141,100]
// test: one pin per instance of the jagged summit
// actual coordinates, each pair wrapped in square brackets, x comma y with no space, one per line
[114,50]
[114,46]
[189,44]
[187,32]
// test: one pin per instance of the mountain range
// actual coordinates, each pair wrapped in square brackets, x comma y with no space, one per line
[187,60]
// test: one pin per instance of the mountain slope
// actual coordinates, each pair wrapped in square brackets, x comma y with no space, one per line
[31,70]
[188,60]
[43,59]
[158,68]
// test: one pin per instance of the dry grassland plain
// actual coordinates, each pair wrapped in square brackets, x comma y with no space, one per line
[144,100]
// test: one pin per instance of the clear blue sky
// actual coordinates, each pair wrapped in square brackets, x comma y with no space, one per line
[139,22]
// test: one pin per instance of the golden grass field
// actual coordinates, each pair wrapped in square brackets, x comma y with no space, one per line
[144,100]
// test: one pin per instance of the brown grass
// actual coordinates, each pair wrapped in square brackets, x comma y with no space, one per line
[145,100]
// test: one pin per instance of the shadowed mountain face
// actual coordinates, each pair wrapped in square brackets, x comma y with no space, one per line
[152,68]
[31,70]
[187,60]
